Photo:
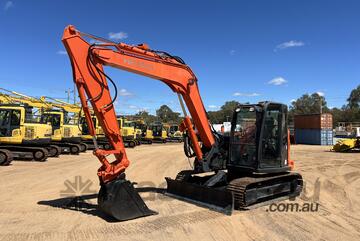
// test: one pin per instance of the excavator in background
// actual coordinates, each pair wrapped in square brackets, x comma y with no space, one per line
[79,120]
[136,133]
[147,136]
[65,132]
[173,133]
[128,133]
[250,166]
[23,135]
[159,132]
[351,144]
[88,139]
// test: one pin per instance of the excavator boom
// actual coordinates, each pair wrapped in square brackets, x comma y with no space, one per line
[87,62]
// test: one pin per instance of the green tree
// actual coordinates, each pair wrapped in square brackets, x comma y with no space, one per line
[309,104]
[165,114]
[146,116]
[224,114]
[354,98]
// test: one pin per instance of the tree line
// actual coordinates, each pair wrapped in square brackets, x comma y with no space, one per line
[306,104]
[314,104]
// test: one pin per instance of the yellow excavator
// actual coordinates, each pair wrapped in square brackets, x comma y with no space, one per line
[146,134]
[65,132]
[349,144]
[23,135]
[86,138]
[79,118]
[69,124]
[101,139]
[137,131]
[159,132]
[173,132]
[127,132]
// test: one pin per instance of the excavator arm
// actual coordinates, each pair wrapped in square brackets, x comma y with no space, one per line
[87,62]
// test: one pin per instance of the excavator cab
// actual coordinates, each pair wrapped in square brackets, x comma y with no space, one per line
[258,139]
[257,163]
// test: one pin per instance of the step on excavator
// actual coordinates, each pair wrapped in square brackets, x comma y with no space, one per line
[251,166]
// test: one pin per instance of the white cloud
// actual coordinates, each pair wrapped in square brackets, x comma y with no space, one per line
[289,44]
[124,92]
[320,93]
[292,100]
[232,52]
[118,36]
[213,106]
[277,81]
[61,52]
[8,5]
[133,107]
[246,94]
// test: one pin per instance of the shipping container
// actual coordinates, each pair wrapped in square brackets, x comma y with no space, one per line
[314,136]
[314,121]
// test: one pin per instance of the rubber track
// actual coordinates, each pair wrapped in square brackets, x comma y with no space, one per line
[239,186]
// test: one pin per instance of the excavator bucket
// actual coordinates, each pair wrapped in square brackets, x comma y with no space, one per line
[120,200]
[217,199]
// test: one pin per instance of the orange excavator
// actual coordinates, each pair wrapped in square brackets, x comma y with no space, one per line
[250,166]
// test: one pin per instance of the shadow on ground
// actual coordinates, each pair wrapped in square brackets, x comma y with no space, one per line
[87,205]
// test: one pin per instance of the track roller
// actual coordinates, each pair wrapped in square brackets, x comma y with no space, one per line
[5,157]
[83,147]
[54,151]
[40,154]
[74,149]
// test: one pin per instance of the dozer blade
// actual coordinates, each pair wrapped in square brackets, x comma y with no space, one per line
[120,200]
[219,199]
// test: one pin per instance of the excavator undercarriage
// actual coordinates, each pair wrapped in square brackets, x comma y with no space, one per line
[226,193]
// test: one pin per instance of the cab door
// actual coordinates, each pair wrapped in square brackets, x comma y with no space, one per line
[273,144]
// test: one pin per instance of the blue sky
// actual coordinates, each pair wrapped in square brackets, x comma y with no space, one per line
[239,50]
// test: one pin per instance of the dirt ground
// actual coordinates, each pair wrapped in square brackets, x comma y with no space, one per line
[34,205]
